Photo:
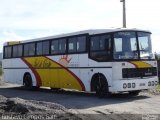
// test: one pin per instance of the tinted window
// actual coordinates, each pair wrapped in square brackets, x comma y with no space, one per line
[20,50]
[77,44]
[72,45]
[17,51]
[42,48]
[62,45]
[95,43]
[54,47]
[7,52]
[100,47]
[98,43]
[46,48]
[29,49]
[39,48]
[81,44]
[58,46]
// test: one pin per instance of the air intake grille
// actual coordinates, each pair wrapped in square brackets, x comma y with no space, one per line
[139,72]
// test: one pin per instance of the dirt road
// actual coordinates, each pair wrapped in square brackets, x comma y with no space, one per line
[89,104]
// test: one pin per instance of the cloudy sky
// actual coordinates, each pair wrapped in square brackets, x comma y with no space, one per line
[26,19]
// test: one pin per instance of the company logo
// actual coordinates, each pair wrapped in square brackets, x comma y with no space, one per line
[64,60]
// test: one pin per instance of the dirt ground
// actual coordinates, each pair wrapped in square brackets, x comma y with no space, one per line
[16,102]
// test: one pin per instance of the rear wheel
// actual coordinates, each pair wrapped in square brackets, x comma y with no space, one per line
[27,81]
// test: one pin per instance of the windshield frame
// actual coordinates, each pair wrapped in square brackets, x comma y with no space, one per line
[138,47]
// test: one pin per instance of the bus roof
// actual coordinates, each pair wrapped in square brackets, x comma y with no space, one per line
[90,32]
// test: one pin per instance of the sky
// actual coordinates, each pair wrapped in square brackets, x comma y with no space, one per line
[28,19]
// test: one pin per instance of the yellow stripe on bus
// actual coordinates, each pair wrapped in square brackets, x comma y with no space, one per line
[54,75]
[140,64]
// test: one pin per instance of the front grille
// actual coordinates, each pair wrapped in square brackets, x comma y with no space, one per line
[139,72]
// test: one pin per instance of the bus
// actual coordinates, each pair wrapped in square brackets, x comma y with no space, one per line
[103,61]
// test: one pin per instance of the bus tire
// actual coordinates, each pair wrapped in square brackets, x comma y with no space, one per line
[27,81]
[101,86]
[134,93]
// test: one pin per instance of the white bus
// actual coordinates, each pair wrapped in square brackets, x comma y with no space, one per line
[102,60]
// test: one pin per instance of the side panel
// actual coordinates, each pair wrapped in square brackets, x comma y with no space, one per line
[62,71]
[84,71]
[104,68]
[14,70]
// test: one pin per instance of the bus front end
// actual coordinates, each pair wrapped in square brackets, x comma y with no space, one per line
[134,66]
[134,75]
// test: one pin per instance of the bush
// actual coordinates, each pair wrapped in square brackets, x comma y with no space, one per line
[158,87]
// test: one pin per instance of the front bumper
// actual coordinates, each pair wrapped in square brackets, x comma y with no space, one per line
[132,85]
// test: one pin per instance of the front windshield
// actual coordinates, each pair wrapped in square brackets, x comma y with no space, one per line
[145,45]
[125,45]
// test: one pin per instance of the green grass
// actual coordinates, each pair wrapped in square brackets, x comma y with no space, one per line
[158,88]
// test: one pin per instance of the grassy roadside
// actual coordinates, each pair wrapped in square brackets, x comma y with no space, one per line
[158,88]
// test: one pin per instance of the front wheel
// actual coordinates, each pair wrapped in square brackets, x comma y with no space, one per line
[101,88]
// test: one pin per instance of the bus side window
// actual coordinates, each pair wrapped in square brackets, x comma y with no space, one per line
[54,47]
[7,52]
[45,47]
[77,44]
[15,51]
[81,44]
[42,48]
[39,48]
[72,45]
[29,49]
[19,52]
[62,46]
